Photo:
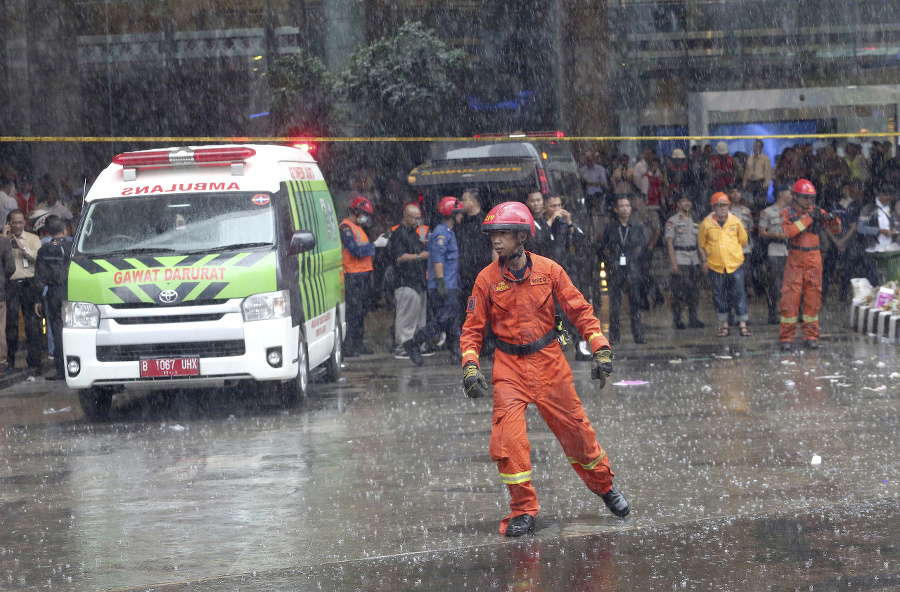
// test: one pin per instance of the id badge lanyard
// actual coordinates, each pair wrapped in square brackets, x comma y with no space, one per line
[624,238]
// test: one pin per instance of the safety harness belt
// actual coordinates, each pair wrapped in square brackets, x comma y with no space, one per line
[528,348]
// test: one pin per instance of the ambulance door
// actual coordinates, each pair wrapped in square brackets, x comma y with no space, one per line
[318,280]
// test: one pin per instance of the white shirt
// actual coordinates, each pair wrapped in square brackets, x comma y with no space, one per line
[640,176]
[884,222]
[594,174]
[7,204]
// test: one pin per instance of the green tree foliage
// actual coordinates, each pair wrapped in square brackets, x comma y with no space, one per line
[305,96]
[410,84]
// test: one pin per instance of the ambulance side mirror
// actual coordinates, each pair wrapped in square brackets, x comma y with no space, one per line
[301,242]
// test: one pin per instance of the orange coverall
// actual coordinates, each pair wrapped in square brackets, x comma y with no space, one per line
[802,273]
[521,312]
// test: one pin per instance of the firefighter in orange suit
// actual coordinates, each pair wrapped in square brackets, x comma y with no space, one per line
[516,295]
[357,257]
[801,222]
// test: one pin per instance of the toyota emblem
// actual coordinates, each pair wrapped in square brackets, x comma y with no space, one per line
[168,296]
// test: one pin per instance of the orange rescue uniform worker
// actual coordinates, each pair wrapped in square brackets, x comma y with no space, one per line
[516,295]
[803,269]
[357,255]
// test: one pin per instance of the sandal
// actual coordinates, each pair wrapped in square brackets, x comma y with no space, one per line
[745,332]
[723,332]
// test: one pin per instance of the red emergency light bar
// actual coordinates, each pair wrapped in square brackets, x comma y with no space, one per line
[226,155]
[524,135]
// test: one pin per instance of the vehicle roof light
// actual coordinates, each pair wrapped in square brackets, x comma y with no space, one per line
[183,156]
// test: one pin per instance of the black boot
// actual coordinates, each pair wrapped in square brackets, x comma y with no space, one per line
[616,502]
[787,346]
[523,524]
[411,348]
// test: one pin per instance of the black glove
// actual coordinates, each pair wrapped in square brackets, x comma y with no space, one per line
[441,288]
[601,366]
[817,214]
[474,381]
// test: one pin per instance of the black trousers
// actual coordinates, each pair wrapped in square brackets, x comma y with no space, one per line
[53,313]
[685,291]
[775,275]
[20,296]
[618,284]
[357,287]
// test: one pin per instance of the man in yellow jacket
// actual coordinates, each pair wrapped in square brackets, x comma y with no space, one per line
[721,241]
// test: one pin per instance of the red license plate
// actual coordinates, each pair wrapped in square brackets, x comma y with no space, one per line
[170,367]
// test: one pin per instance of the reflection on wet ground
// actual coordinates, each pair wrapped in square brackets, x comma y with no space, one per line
[747,469]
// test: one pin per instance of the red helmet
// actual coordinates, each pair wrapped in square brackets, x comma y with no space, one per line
[448,206]
[361,203]
[510,215]
[804,187]
[719,198]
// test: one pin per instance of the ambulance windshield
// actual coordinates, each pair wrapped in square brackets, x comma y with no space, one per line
[182,223]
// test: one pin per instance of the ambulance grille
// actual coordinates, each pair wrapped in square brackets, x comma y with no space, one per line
[168,319]
[203,349]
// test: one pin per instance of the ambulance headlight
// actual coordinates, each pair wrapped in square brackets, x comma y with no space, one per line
[80,315]
[271,305]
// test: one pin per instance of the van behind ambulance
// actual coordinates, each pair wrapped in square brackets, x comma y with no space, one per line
[204,266]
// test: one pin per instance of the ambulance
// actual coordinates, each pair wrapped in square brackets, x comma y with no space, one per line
[204,266]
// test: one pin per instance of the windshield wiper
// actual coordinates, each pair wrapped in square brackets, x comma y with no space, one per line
[126,252]
[243,246]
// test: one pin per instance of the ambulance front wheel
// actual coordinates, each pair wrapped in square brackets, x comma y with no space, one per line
[96,403]
[297,389]
[333,364]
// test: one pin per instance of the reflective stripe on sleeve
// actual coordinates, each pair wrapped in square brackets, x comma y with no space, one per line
[800,225]
[591,338]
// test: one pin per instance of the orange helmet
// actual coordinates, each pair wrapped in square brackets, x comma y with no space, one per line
[361,203]
[719,198]
[448,206]
[804,187]
[510,215]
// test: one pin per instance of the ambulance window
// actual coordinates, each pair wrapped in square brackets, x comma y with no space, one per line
[178,224]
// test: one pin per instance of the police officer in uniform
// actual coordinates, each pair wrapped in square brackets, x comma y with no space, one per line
[51,271]
[357,255]
[684,260]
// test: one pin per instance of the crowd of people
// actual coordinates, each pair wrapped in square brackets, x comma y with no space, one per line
[857,190]
[704,215]
[34,251]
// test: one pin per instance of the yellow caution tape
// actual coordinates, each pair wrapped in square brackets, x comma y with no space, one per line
[181,140]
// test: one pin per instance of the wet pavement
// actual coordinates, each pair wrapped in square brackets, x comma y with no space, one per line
[747,469]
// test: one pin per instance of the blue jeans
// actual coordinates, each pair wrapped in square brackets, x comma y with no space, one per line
[729,292]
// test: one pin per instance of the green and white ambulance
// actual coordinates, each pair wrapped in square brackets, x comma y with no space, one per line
[204,266]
